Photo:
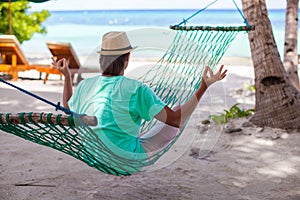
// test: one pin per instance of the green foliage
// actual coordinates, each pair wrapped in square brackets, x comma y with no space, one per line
[233,112]
[24,25]
[249,87]
[219,119]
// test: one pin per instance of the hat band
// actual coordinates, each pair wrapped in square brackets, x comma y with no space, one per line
[121,49]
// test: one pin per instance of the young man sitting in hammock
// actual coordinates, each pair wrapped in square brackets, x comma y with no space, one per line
[121,103]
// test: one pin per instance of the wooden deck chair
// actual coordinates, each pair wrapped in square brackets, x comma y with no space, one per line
[65,50]
[13,59]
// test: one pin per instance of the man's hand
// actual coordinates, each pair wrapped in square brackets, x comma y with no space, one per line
[62,65]
[211,77]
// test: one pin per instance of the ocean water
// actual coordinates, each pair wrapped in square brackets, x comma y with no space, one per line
[84,29]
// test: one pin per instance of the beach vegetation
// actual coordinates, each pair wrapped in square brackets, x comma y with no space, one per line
[249,87]
[23,24]
[234,112]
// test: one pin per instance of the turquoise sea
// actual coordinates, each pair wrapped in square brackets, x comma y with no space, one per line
[84,29]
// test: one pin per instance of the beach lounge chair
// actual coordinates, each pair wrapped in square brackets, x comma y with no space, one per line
[13,59]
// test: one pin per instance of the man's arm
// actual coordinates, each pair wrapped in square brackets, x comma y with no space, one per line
[178,116]
[63,66]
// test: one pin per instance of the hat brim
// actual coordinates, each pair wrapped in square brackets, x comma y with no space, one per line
[114,53]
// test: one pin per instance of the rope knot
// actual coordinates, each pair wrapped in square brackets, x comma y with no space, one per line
[57,107]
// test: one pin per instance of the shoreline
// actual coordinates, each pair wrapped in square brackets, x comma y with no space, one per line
[91,62]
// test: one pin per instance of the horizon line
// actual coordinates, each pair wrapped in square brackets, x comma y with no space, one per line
[151,9]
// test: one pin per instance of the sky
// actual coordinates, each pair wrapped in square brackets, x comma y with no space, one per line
[144,4]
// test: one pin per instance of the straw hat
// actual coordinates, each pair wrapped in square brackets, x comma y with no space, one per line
[115,43]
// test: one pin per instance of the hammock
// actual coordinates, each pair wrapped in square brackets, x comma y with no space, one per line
[174,78]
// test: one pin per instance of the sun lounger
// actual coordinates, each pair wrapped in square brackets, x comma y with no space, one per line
[13,59]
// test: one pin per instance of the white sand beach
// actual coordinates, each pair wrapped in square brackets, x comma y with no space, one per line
[252,164]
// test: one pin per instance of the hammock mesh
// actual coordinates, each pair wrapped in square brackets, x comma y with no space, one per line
[174,78]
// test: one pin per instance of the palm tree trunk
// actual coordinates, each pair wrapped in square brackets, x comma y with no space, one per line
[290,58]
[277,100]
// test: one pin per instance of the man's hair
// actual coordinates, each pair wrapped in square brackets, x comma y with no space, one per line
[112,64]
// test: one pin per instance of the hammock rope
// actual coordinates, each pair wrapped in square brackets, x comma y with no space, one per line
[174,78]
[57,106]
[184,21]
[241,13]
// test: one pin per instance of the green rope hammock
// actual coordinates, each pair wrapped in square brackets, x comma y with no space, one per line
[174,78]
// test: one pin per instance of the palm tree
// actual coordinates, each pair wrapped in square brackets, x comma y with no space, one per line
[290,58]
[277,100]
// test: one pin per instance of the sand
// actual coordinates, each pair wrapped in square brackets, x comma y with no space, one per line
[254,163]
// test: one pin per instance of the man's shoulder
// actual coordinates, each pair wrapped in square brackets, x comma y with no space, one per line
[90,80]
[132,81]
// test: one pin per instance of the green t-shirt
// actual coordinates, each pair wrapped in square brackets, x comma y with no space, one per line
[120,104]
